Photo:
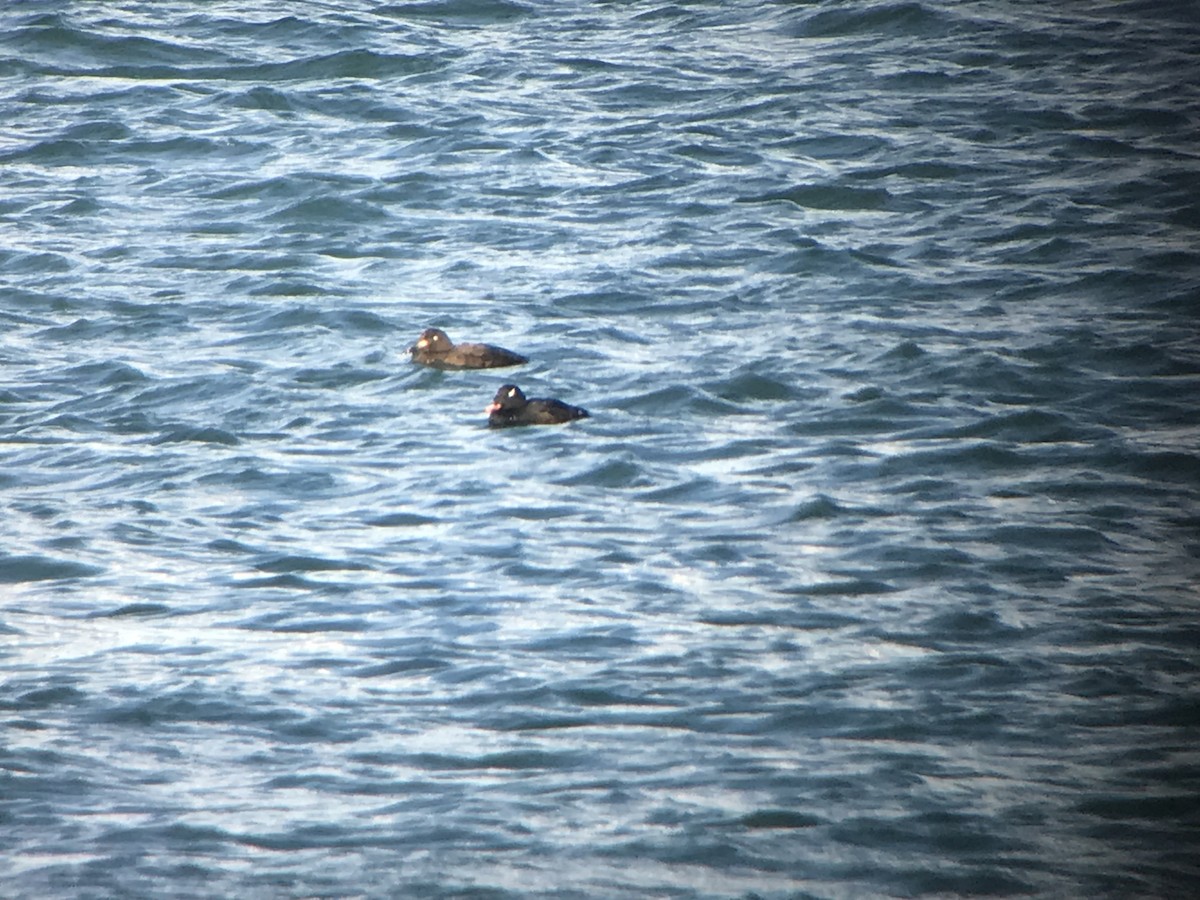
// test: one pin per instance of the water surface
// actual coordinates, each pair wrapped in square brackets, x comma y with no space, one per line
[872,574]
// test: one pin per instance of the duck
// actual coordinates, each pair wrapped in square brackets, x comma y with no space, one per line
[434,348]
[511,407]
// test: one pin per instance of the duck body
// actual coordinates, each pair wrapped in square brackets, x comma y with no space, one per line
[435,349]
[511,407]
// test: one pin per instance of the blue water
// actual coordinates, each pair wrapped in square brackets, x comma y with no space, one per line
[875,572]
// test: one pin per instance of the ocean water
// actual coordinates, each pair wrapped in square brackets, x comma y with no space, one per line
[875,572]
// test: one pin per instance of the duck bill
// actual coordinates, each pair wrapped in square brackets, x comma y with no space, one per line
[492,407]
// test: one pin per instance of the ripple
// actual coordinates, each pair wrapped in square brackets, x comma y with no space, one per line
[199,433]
[830,197]
[17,569]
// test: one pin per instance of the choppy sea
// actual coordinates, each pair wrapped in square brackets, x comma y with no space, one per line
[875,572]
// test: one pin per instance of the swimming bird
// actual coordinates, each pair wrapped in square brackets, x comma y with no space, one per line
[433,348]
[511,407]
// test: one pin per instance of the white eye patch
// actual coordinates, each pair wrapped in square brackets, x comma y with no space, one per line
[513,392]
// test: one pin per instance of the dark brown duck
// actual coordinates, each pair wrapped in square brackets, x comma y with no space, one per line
[434,348]
[512,407]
